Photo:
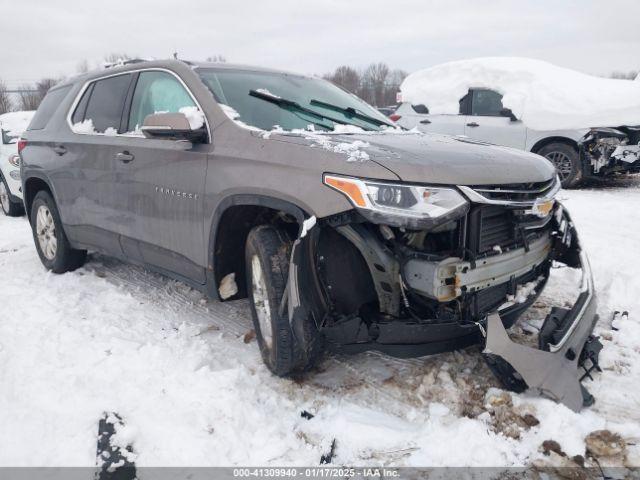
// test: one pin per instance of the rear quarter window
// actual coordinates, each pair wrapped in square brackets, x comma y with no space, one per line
[48,107]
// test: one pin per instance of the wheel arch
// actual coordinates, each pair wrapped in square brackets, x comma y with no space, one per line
[234,217]
[32,185]
[555,139]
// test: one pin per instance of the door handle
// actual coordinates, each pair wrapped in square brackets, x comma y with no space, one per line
[425,121]
[60,149]
[124,157]
[473,124]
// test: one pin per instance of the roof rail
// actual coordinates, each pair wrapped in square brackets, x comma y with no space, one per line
[123,61]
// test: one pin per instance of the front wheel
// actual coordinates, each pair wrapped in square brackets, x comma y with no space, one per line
[51,242]
[267,255]
[9,207]
[566,159]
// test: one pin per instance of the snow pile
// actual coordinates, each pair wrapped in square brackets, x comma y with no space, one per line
[542,95]
[86,126]
[194,115]
[351,149]
[15,123]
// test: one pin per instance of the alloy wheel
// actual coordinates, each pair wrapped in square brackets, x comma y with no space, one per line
[261,301]
[562,162]
[46,232]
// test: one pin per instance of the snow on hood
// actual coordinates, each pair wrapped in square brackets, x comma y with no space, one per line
[15,123]
[542,95]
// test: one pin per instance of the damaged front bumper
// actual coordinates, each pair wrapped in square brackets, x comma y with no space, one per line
[610,150]
[566,343]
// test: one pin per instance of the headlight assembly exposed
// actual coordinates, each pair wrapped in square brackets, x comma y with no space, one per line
[411,206]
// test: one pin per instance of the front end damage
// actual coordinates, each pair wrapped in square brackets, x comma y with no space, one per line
[412,290]
[605,151]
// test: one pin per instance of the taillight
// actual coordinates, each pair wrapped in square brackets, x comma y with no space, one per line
[394,117]
[21,144]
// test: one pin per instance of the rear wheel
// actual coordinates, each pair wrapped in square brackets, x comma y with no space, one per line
[51,242]
[267,255]
[566,159]
[9,207]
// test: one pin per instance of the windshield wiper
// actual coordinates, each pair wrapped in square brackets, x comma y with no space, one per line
[294,106]
[351,112]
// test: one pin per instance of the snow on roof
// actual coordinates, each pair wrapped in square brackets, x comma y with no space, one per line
[15,122]
[543,95]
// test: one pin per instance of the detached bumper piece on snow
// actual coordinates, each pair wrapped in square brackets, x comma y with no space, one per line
[610,150]
[568,352]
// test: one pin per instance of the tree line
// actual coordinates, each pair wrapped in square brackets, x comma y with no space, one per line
[376,84]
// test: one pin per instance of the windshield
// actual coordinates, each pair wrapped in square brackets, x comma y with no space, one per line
[289,102]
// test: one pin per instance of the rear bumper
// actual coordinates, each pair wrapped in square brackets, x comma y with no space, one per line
[553,369]
[12,176]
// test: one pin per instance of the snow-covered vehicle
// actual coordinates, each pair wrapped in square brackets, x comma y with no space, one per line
[344,231]
[11,127]
[534,106]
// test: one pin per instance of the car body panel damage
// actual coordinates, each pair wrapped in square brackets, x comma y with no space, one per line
[610,150]
[447,279]
[565,340]
[405,302]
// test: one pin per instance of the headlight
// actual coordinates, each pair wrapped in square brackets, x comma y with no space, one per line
[14,160]
[412,206]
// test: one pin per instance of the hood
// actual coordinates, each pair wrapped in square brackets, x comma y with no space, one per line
[441,159]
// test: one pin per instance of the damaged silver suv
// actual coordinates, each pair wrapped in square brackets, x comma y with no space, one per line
[346,232]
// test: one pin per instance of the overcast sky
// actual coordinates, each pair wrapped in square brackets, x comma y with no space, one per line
[49,38]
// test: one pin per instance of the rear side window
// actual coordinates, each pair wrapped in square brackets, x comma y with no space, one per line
[105,103]
[47,108]
[157,92]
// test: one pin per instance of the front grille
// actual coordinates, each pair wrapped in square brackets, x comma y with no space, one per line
[493,229]
[496,229]
[520,192]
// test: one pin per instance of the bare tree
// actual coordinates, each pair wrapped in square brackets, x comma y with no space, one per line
[392,87]
[625,75]
[217,59]
[345,77]
[375,79]
[32,95]
[29,97]
[5,99]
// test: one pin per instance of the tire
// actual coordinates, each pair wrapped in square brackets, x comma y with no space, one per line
[9,207]
[566,159]
[267,255]
[57,256]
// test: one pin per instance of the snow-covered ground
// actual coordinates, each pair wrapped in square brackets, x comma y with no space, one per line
[192,389]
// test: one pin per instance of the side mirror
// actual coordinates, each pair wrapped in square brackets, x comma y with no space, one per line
[506,112]
[173,126]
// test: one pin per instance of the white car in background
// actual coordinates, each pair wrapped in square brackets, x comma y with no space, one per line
[11,127]
[530,105]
